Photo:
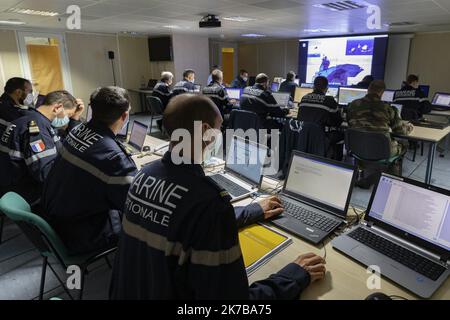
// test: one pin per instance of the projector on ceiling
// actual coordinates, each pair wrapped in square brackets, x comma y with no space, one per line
[210,21]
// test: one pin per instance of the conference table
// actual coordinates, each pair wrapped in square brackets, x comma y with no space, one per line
[431,136]
[345,279]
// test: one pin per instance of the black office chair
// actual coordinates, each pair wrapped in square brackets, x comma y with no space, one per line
[372,152]
[301,136]
[245,120]
[156,109]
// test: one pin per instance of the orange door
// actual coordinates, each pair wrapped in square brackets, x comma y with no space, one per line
[228,65]
[45,64]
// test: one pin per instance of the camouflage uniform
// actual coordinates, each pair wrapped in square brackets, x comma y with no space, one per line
[370,113]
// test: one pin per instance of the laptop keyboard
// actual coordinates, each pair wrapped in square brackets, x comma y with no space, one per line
[308,217]
[398,253]
[231,187]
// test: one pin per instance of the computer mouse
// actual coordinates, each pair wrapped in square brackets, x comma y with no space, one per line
[146,149]
[378,296]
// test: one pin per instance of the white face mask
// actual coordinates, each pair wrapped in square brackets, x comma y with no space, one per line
[213,148]
[28,101]
[245,79]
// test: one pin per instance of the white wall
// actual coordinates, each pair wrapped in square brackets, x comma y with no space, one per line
[191,52]
[397,60]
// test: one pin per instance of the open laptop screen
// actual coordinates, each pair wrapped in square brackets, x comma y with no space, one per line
[282,98]
[138,134]
[234,93]
[275,87]
[388,96]
[321,181]
[442,100]
[300,93]
[348,95]
[246,159]
[417,211]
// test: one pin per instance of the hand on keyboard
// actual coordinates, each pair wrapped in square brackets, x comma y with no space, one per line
[272,207]
[313,264]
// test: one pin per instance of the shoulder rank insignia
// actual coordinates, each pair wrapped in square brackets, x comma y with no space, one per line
[33,127]
[37,146]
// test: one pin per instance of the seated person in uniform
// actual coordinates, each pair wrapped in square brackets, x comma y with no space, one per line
[67,120]
[30,146]
[218,94]
[370,113]
[241,80]
[12,101]
[186,85]
[163,92]
[213,68]
[414,102]
[323,110]
[180,237]
[289,85]
[260,100]
[162,88]
[96,172]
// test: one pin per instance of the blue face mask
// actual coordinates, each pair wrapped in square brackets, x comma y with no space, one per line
[60,122]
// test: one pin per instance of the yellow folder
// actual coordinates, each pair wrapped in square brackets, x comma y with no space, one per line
[259,244]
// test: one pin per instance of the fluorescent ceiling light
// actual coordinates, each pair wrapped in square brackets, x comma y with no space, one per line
[170,26]
[34,12]
[238,19]
[12,22]
[253,35]
[316,30]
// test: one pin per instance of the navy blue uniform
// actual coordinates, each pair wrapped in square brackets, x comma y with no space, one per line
[163,92]
[86,190]
[9,111]
[29,148]
[238,83]
[180,241]
[321,109]
[218,94]
[183,87]
[288,87]
[261,101]
[414,102]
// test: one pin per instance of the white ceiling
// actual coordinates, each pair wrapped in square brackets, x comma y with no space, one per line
[274,18]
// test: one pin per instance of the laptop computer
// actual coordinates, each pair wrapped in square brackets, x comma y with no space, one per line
[275,86]
[243,168]
[441,101]
[347,95]
[432,121]
[316,195]
[425,89]
[282,98]
[137,138]
[406,233]
[300,93]
[234,94]
[388,96]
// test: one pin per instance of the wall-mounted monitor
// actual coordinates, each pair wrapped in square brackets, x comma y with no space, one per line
[160,49]
[343,61]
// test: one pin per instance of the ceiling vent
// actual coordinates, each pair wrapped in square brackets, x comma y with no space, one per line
[341,5]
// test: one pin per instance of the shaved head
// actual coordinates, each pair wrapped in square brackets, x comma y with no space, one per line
[183,110]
